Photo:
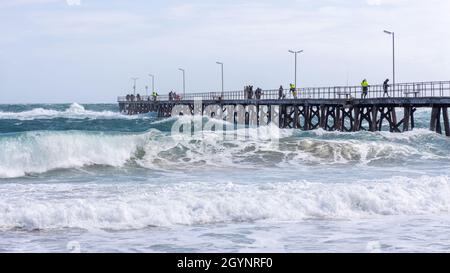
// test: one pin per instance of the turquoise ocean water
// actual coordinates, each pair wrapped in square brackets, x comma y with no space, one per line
[87,178]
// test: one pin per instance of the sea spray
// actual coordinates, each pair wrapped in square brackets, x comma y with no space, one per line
[131,206]
[111,182]
[74,111]
[39,152]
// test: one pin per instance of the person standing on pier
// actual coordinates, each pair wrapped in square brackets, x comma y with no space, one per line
[293,90]
[386,87]
[365,88]
[258,93]
[250,92]
[154,95]
[281,93]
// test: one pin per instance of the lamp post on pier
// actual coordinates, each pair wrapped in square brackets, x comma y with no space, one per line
[184,81]
[295,73]
[134,85]
[153,82]
[393,55]
[221,65]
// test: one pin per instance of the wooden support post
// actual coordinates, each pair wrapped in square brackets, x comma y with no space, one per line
[357,125]
[374,122]
[323,117]
[330,113]
[438,121]
[343,116]
[337,120]
[307,118]
[280,116]
[269,114]
[393,123]
[433,119]
[296,121]
[382,116]
[285,117]
[257,115]
[406,118]
[446,121]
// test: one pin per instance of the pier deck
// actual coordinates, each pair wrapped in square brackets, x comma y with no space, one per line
[330,108]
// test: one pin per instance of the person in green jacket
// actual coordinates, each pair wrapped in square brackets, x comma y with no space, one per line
[365,88]
[154,95]
[293,90]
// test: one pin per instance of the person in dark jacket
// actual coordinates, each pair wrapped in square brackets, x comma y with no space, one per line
[281,93]
[250,92]
[258,93]
[386,87]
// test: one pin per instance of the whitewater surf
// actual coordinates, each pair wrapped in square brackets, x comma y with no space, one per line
[87,173]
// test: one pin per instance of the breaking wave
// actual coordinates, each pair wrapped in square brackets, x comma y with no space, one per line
[39,152]
[75,111]
[139,206]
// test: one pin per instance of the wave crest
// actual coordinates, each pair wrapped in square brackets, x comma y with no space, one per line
[75,111]
[144,205]
[40,152]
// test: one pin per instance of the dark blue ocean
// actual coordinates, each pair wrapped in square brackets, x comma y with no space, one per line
[87,178]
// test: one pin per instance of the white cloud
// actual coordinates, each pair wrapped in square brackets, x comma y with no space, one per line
[182,11]
[386,2]
[26,2]
[73,2]
[251,37]
[38,2]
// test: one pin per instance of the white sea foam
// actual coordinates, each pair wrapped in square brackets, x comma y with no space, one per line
[75,111]
[358,151]
[39,152]
[106,206]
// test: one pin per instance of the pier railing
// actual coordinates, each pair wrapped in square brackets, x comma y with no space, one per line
[401,90]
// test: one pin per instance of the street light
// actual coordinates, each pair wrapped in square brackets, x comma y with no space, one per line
[134,85]
[221,65]
[153,82]
[184,81]
[393,55]
[295,53]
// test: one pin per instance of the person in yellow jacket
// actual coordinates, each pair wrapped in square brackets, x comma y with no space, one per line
[365,88]
[154,95]
[293,90]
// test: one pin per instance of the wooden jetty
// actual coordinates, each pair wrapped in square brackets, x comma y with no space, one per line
[338,108]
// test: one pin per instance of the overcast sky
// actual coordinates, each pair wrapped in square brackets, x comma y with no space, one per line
[87,50]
